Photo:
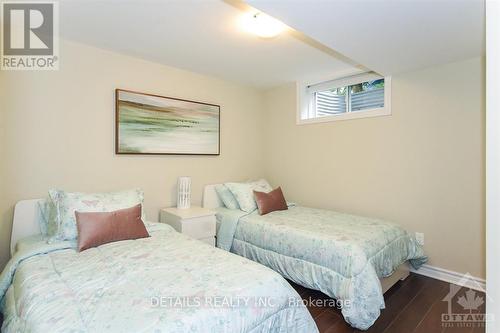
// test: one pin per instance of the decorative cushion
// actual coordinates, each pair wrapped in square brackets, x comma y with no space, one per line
[270,202]
[67,203]
[96,228]
[243,192]
[226,196]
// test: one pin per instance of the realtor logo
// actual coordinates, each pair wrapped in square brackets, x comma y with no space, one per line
[29,35]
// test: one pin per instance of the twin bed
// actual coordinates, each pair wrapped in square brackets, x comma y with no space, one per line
[165,283]
[172,283]
[350,258]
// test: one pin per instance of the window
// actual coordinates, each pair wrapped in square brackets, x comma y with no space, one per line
[359,96]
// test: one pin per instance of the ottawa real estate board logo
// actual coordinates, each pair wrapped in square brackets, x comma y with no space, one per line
[29,35]
[466,308]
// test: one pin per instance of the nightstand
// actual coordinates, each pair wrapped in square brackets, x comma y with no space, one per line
[195,222]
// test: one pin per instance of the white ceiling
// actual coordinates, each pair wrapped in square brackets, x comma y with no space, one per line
[388,36]
[201,36]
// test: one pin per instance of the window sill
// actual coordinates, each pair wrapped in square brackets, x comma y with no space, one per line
[347,116]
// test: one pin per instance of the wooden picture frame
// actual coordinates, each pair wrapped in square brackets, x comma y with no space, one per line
[148,124]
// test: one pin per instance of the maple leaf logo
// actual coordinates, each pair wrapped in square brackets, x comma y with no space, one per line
[470,301]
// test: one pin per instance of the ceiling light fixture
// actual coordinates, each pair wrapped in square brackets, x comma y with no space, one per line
[262,25]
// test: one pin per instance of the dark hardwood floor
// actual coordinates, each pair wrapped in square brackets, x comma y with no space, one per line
[414,305]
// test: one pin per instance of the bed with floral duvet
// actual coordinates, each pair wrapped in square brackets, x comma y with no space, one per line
[165,283]
[342,255]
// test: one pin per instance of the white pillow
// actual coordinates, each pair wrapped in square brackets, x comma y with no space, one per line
[226,196]
[243,192]
[67,203]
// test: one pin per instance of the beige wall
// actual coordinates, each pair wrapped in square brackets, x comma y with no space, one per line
[422,167]
[61,131]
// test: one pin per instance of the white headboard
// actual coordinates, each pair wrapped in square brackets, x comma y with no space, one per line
[210,198]
[25,222]
[26,215]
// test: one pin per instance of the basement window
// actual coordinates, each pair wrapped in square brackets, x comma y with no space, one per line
[360,96]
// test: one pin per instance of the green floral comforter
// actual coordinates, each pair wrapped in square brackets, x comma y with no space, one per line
[342,255]
[165,283]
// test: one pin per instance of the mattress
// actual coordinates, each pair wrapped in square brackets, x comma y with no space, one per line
[165,283]
[340,254]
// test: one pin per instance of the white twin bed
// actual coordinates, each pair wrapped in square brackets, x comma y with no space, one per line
[351,258]
[167,282]
[212,201]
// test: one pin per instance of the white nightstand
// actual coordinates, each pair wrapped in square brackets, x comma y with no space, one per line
[195,222]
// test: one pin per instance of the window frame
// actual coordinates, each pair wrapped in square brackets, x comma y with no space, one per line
[305,99]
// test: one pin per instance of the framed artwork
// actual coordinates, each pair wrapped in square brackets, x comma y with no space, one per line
[158,125]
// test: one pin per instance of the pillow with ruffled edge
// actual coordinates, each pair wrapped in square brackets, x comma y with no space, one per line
[67,203]
[243,192]
[226,196]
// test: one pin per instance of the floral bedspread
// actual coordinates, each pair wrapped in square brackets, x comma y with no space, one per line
[342,255]
[165,283]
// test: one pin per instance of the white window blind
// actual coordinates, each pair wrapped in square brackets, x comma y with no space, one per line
[369,99]
[329,103]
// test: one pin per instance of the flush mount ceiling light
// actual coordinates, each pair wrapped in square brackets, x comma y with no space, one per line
[262,25]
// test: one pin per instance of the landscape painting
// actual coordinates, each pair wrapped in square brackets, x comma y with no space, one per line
[151,124]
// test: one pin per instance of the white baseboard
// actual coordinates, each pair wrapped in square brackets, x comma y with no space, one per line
[465,280]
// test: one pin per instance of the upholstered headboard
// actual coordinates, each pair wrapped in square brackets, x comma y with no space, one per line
[25,222]
[210,198]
